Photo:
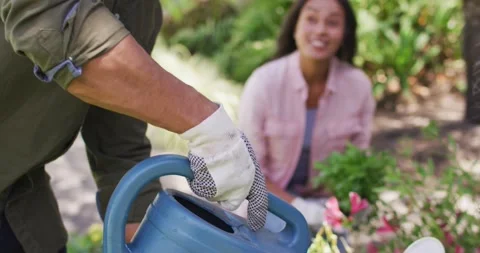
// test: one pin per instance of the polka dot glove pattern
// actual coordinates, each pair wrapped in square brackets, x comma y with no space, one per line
[225,167]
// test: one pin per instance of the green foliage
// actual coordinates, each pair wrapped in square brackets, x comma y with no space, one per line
[206,38]
[401,43]
[354,170]
[91,242]
[239,42]
[201,26]
[433,197]
[429,200]
[253,38]
[406,38]
[177,8]
[431,131]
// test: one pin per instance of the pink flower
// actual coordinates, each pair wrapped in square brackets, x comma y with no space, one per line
[386,227]
[371,248]
[459,249]
[448,238]
[333,215]
[356,203]
[386,231]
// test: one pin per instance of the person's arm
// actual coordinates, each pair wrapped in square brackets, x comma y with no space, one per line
[362,139]
[251,118]
[127,80]
[99,61]
[83,47]
[52,33]
[279,192]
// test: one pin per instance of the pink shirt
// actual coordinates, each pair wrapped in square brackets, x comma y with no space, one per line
[272,114]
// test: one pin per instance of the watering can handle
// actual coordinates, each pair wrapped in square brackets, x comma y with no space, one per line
[163,165]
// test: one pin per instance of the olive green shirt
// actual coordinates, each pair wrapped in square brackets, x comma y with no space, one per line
[39,120]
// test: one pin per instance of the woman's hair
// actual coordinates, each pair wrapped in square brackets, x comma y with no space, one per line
[286,41]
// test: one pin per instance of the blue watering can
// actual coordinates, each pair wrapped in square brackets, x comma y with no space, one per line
[176,222]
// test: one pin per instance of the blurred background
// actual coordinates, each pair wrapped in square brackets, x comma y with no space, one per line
[416,53]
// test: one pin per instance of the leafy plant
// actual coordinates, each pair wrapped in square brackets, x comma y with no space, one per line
[203,26]
[91,242]
[239,40]
[431,202]
[355,170]
[176,9]
[403,41]
[253,40]
[428,202]
[206,38]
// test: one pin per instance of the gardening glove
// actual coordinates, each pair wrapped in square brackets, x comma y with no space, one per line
[225,168]
[312,211]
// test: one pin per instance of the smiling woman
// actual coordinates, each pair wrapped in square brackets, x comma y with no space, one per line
[320,28]
[308,102]
[312,21]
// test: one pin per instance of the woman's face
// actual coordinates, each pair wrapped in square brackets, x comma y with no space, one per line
[320,29]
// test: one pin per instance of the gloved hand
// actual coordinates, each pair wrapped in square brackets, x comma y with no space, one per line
[312,211]
[225,168]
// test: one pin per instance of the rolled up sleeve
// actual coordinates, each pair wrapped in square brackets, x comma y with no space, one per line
[59,36]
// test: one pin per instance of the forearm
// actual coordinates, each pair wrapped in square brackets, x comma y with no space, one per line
[127,80]
[117,74]
[363,138]
[279,192]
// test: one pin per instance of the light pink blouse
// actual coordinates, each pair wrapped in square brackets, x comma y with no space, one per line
[272,114]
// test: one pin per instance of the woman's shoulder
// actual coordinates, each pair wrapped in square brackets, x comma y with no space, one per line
[271,69]
[266,79]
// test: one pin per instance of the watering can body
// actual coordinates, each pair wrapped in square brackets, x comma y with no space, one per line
[177,222]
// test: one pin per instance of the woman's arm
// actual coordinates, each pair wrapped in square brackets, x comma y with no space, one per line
[279,192]
[367,112]
[251,120]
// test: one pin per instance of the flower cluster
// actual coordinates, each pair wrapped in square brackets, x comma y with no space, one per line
[358,207]
[334,216]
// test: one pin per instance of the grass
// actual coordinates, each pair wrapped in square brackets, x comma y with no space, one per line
[203,75]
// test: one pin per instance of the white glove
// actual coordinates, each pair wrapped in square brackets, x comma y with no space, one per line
[312,211]
[225,167]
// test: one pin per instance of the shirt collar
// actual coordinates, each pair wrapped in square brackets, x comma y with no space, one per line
[300,83]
